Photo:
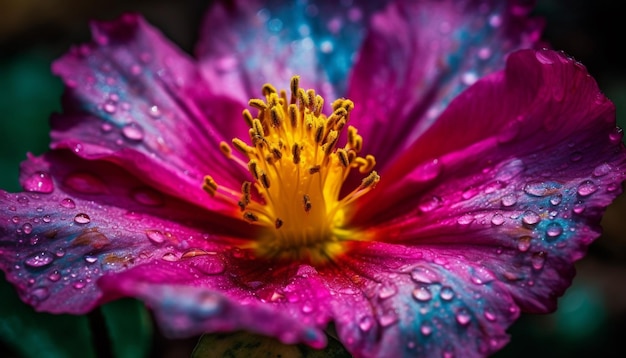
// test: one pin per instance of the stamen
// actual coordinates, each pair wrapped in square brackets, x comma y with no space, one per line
[297,170]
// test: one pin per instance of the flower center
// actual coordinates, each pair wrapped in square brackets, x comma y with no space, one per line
[297,172]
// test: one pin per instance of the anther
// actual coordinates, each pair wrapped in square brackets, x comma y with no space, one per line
[278,223]
[293,116]
[370,180]
[315,169]
[343,157]
[295,152]
[247,116]
[225,149]
[306,200]
[209,185]
[242,147]
[268,89]
[257,103]
[294,86]
[250,216]
[276,117]
[253,167]
[265,180]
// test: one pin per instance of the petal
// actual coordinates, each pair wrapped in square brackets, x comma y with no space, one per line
[418,56]
[244,45]
[420,302]
[135,99]
[284,301]
[81,219]
[533,162]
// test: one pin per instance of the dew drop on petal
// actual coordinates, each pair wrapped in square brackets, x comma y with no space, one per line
[530,217]
[68,203]
[423,275]
[587,188]
[446,293]
[109,107]
[79,284]
[39,259]
[426,328]
[489,314]
[497,219]
[54,276]
[133,132]
[602,170]
[388,318]
[154,112]
[82,218]
[538,259]
[430,204]
[509,200]
[553,230]
[465,219]
[578,208]
[90,259]
[537,188]
[523,243]
[387,290]
[27,228]
[169,256]
[428,171]
[40,293]
[422,294]
[39,182]
[366,323]
[463,317]
[616,135]
[46,219]
[556,199]
[155,236]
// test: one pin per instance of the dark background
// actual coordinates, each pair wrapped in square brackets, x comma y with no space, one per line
[591,319]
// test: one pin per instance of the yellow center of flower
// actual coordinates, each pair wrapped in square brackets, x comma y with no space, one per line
[297,171]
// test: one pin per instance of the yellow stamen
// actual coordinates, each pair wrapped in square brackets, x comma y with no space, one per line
[297,172]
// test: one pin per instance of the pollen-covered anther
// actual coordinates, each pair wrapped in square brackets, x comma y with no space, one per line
[297,170]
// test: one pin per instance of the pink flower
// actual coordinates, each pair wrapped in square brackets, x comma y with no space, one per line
[454,189]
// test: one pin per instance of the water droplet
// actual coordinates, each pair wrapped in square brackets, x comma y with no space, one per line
[82,218]
[587,188]
[388,318]
[538,259]
[539,188]
[68,203]
[510,170]
[79,284]
[523,243]
[422,294]
[543,58]
[15,219]
[27,228]
[489,314]
[423,275]
[387,289]
[530,217]
[39,259]
[155,236]
[209,264]
[428,171]
[46,219]
[509,200]
[553,230]
[469,193]
[556,199]
[463,317]
[169,256]
[54,276]
[90,259]
[109,107]
[465,219]
[39,182]
[579,208]
[426,328]
[430,204]
[40,293]
[446,293]
[616,135]
[602,170]
[148,197]
[85,183]
[307,307]
[366,323]
[497,219]
[133,132]
[154,112]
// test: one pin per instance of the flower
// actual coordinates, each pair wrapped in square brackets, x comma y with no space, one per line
[460,173]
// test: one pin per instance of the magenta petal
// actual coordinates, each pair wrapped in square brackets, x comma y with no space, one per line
[245,44]
[191,296]
[536,161]
[420,55]
[83,219]
[400,301]
[134,99]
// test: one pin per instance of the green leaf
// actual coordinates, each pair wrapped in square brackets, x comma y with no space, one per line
[33,334]
[130,328]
